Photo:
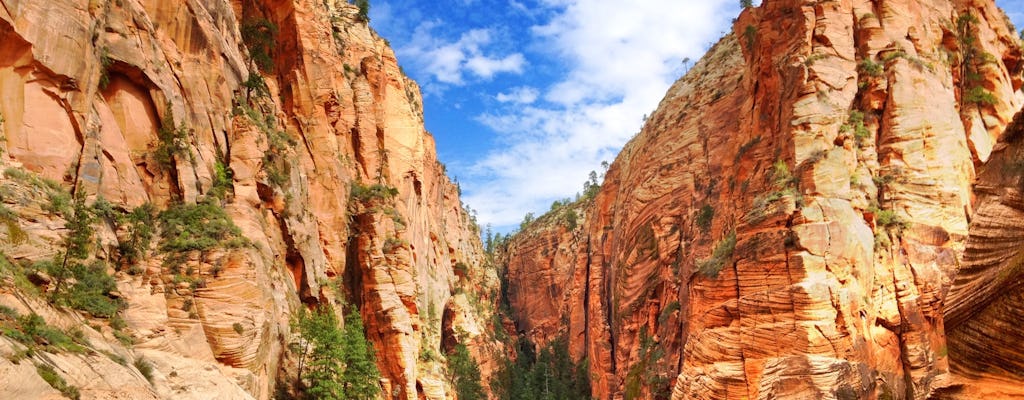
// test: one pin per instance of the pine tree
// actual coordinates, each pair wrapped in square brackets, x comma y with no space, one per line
[465,374]
[361,380]
[336,363]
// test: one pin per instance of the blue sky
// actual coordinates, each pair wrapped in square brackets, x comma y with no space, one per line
[526,97]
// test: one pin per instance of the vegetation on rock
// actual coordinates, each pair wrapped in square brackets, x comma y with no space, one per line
[334,362]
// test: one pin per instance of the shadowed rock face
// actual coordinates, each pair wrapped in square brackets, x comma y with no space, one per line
[790,220]
[87,89]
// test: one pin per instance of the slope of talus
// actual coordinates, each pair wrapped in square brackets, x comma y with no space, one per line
[292,117]
[788,222]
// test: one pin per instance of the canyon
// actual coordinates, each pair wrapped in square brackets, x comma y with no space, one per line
[827,205]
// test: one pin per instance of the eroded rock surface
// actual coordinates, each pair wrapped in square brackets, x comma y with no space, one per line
[791,218]
[92,92]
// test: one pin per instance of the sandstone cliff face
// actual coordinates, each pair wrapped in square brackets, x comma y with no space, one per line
[791,218]
[91,91]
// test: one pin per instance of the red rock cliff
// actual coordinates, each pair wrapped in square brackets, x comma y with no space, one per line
[94,92]
[792,216]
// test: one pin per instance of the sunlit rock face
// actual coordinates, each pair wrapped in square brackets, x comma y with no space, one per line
[89,91]
[813,211]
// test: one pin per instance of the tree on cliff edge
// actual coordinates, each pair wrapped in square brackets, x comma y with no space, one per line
[335,363]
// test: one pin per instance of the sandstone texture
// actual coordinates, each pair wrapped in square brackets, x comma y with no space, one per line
[92,92]
[815,210]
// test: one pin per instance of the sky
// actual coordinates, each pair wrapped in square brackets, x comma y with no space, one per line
[526,97]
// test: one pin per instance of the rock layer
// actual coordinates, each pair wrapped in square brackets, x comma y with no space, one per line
[788,222]
[91,108]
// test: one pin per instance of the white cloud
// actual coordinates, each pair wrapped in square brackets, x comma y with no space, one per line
[519,95]
[451,62]
[622,57]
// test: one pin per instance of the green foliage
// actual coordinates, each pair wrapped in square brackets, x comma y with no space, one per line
[856,124]
[746,3]
[871,68]
[78,243]
[145,368]
[364,10]
[710,267]
[59,202]
[464,374]
[667,311]
[744,148]
[203,226]
[49,375]
[368,194]
[91,290]
[888,218]
[172,142]
[781,174]
[105,63]
[139,225]
[527,220]
[704,218]
[260,37]
[591,187]
[339,363]
[32,331]
[461,269]
[571,219]
[239,329]
[642,373]
[979,96]
[222,180]
[750,33]
[255,85]
[972,57]
[549,375]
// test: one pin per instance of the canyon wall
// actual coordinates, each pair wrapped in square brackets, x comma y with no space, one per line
[291,116]
[790,220]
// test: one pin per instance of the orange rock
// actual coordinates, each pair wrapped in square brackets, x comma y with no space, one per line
[833,140]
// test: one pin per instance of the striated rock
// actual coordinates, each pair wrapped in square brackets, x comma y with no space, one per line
[984,304]
[142,101]
[790,219]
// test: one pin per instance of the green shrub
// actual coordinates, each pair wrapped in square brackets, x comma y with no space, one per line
[979,96]
[239,329]
[364,10]
[366,194]
[172,141]
[744,148]
[712,266]
[870,67]
[202,227]
[750,33]
[91,290]
[704,218]
[105,63]
[49,375]
[140,226]
[145,368]
[571,219]
[260,37]
[667,311]
[222,180]
[59,203]
[462,269]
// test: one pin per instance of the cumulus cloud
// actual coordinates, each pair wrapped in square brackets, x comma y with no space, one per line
[621,59]
[519,95]
[449,62]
